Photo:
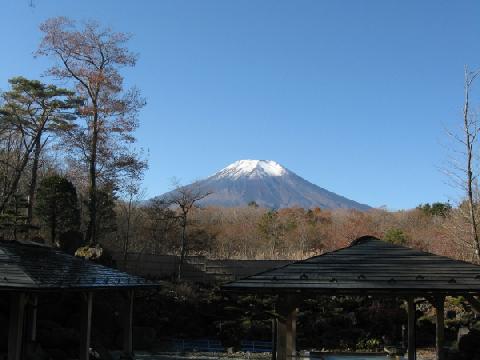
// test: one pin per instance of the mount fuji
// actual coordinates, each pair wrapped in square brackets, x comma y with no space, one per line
[268,184]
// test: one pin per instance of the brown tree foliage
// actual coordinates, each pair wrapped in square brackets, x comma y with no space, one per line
[257,233]
[91,57]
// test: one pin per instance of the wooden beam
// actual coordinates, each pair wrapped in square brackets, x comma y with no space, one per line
[412,351]
[86,325]
[15,331]
[128,323]
[440,326]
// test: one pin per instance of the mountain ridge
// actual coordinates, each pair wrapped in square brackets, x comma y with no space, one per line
[270,185]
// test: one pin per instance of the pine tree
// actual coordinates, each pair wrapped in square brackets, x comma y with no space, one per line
[31,111]
[57,206]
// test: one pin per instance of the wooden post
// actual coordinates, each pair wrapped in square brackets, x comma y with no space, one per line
[286,329]
[32,318]
[292,333]
[440,326]
[281,339]
[274,339]
[128,324]
[15,330]
[412,351]
[85,325]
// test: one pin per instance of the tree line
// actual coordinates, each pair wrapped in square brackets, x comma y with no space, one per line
[77,139]
[71,173]
[252,232]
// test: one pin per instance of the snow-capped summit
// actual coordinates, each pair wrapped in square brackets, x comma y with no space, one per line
[268,184]
[252,168]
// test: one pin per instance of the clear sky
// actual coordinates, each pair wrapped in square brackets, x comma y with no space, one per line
[351,95]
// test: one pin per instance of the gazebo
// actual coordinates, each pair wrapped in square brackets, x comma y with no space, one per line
[28,270]
[368,267]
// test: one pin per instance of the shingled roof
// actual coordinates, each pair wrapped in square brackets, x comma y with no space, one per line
[371,266]
[36,267]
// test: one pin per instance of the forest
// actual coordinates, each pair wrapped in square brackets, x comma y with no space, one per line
[71,177]
[72,174]
[292,233]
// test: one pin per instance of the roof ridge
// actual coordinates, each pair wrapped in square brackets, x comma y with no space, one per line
[363,239]
[360,270]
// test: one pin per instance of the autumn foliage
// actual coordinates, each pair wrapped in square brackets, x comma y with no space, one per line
[293,233]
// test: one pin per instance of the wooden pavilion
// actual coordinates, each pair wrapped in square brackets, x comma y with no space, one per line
[368,267]
[28,270]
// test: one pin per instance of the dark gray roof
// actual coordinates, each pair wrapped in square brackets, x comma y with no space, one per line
[372,266]
[37,267]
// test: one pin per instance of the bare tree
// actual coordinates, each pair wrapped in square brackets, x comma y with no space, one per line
[129,215]
[185,198]
[462,165]
[90,57]
[471,132]
[161,221]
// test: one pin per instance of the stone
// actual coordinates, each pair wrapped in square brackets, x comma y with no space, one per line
[89,252]
[461,332]
[393,350]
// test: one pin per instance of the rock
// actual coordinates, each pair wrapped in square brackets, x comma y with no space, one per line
[89,253]
[461,332]
[93,354]
[393,350]
[102,352]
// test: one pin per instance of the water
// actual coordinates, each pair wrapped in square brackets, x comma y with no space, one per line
[355,357]
[220,357]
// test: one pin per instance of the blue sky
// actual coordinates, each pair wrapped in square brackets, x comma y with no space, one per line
[352,95]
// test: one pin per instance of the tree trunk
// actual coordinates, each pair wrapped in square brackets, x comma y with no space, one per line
[53,232]
[127,235]
[53,220]
[33,180]
[16,179]
[92,206]
[183,249]
[469,137]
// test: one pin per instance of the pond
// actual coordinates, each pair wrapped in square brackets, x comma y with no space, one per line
[354,357]
[264,357]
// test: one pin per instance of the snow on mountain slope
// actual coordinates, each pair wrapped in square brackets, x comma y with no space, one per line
[251,169]
[270,185]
